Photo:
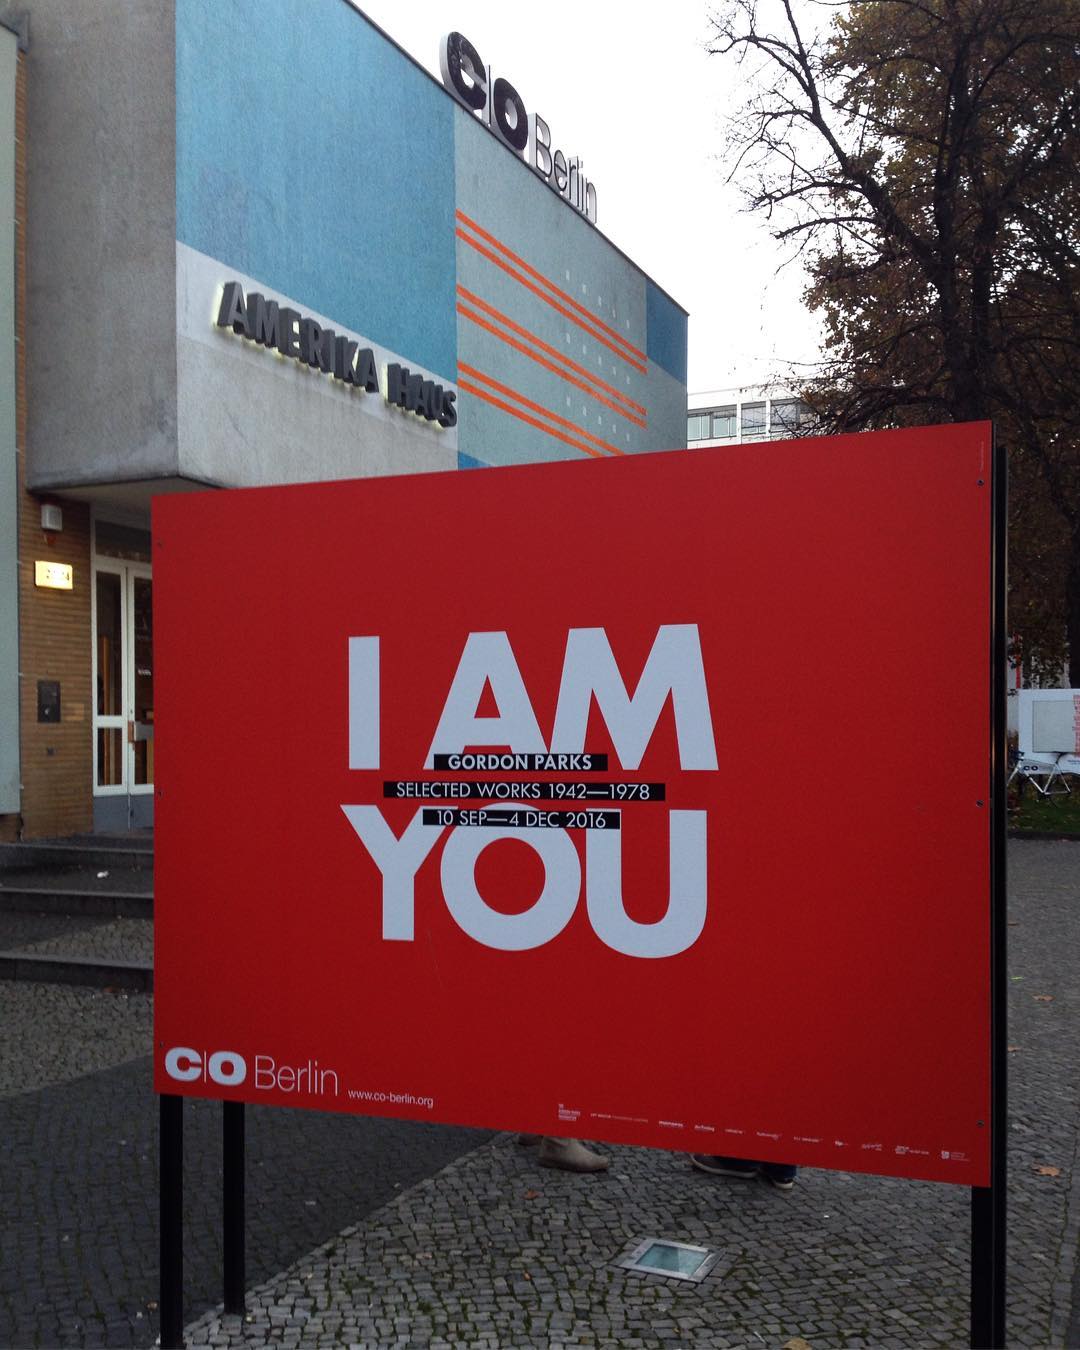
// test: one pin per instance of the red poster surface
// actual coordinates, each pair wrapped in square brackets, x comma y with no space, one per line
[641,800]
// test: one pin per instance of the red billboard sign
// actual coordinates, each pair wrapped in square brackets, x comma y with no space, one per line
[641,800]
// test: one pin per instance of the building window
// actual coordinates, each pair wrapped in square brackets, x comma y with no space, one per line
[697,427]
[788,415]
[725,421]
[753,419]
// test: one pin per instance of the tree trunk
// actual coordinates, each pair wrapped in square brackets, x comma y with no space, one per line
[1072,609]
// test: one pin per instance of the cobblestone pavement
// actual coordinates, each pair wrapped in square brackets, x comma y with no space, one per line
[497,1252]
[53,1033]
[100,939]
[493,1251]
[78,1174]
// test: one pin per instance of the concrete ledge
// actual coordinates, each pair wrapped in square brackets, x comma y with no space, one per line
[28,966]
[14,856]
[1044,834]
[77,904]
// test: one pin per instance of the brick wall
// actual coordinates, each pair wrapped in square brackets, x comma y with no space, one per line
[55,639]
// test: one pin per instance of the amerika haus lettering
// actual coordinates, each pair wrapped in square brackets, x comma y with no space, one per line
[296,335]
[304,340]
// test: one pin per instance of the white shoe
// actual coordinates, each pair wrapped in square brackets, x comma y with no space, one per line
[570,1155]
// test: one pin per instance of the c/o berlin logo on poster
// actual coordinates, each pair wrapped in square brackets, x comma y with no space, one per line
[224,1067]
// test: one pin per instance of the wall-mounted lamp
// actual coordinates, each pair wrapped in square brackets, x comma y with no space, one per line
[52,518]
[54,576]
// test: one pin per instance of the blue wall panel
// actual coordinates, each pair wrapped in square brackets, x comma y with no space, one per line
[313,155]
[666,326]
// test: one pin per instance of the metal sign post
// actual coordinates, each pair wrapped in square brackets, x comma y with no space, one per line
[988,1203]
[171,1198]
[232,1173]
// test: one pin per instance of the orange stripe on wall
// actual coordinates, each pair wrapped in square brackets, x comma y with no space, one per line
[485,234]
[552,351]
[547,299]
[475,374]
[524,417]
[548,365]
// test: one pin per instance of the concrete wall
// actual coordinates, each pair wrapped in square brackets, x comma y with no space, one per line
[313,156]
[102,340]
[249,417]
[564,347]
[9,488]
[292,147]
[54,626]
[314,165]
[320,166]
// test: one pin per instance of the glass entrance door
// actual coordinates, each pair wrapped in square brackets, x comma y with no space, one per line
[124,695]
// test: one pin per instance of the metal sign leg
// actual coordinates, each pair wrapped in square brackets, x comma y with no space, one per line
[232,1137]
[988,1204]
[987,1269]
[171,1197]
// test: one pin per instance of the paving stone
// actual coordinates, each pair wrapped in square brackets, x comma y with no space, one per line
[78,1162]
[98,939]
[402,1249]
[887,1267]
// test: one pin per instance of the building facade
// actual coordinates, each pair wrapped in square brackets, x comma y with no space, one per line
[12,395]
[744,413]
[265,246]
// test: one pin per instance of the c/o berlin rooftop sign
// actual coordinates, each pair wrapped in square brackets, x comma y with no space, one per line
[500,107]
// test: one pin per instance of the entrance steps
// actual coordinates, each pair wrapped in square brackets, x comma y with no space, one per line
[131,976]
[83,851]
[78,911]
[21,899]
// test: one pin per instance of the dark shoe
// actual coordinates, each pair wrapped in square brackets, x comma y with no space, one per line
[780,1175]
[724,1167]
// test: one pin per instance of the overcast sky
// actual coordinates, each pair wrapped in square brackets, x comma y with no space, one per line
[641,103]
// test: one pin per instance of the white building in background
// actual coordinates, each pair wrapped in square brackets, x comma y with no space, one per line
[743,413]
